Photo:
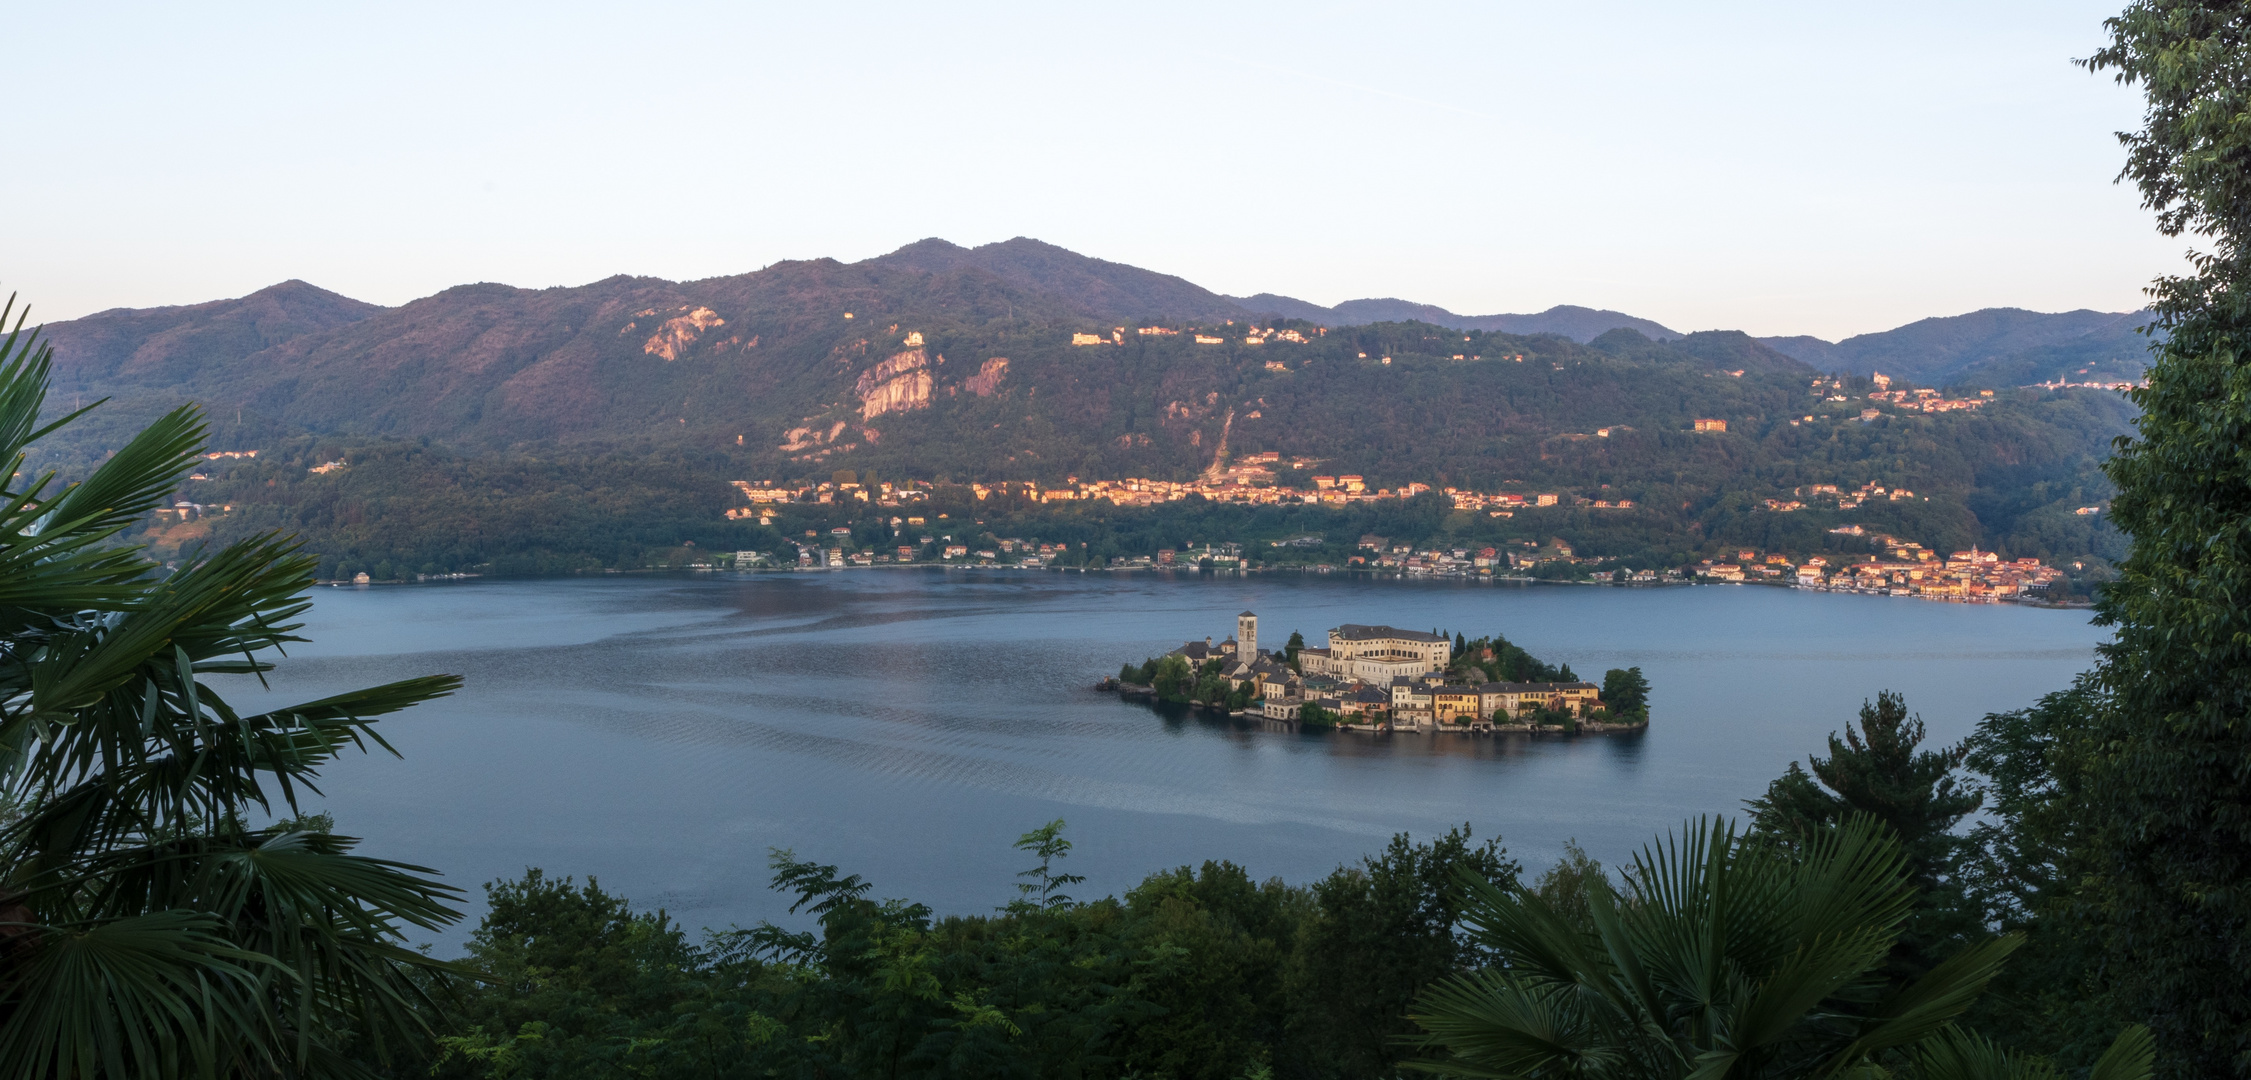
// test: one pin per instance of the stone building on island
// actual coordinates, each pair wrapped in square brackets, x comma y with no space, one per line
[1380,676]
[1377,654]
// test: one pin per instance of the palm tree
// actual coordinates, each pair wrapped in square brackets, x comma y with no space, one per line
[149,926]
[1724,958]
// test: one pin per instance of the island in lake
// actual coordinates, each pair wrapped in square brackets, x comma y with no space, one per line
[1382,678]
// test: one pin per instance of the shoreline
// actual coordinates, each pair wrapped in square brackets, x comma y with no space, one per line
[1514,579]
[1149,696]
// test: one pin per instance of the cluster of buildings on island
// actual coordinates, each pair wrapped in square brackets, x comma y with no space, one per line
[1380,677]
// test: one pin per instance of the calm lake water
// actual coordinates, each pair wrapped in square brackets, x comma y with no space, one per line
[663,734]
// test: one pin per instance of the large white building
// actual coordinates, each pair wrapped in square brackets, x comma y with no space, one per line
[1377,654]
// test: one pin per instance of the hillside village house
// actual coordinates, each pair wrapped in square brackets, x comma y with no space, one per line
[1378,676]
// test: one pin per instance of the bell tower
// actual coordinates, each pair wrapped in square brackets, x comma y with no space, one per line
[1246,636]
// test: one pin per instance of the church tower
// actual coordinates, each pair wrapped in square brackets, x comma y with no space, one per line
[1246,636]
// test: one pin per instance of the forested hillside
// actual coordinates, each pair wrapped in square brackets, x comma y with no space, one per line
[567,426]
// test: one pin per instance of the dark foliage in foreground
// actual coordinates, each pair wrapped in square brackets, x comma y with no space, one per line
[1198,972]
[147,929]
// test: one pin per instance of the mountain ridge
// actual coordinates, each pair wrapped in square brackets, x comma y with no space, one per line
[758,360]
[1580,324]
[1992,344]
[1022,361]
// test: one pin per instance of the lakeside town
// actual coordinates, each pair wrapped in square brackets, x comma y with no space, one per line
[1897,567]
[1892,566]
[1382,678]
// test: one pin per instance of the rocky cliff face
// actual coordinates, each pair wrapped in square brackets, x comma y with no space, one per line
[901,382]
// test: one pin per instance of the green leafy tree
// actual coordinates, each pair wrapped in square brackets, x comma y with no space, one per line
[1724,958]
[1213,945]
[2023,866]
[1173,680]
[2169,814]
[1212,689]
[152,928]
[1879,769]
[1379,932]
[581,986]
[1626,691]
[1564,886]
[1295,645]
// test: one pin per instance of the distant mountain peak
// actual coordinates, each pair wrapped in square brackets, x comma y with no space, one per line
[1580,324]
[1087,285]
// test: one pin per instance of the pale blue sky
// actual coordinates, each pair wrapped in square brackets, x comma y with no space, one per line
[1781,168]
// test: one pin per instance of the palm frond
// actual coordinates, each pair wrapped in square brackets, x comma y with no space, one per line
[151,995]
[1495,1024]
[1926,1006]
[153,934]
[1955,1054]
[2132,1056]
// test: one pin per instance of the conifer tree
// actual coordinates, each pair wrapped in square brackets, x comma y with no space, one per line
[1880,769]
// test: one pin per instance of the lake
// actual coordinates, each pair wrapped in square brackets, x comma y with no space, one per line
[662,734]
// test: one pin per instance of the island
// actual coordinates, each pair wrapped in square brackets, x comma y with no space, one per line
[1382,678]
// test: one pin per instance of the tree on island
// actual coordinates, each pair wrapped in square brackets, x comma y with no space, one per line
[1626,692]
[1172,680]
[1212,688]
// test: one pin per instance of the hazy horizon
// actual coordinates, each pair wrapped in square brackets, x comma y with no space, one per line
[1748,166]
